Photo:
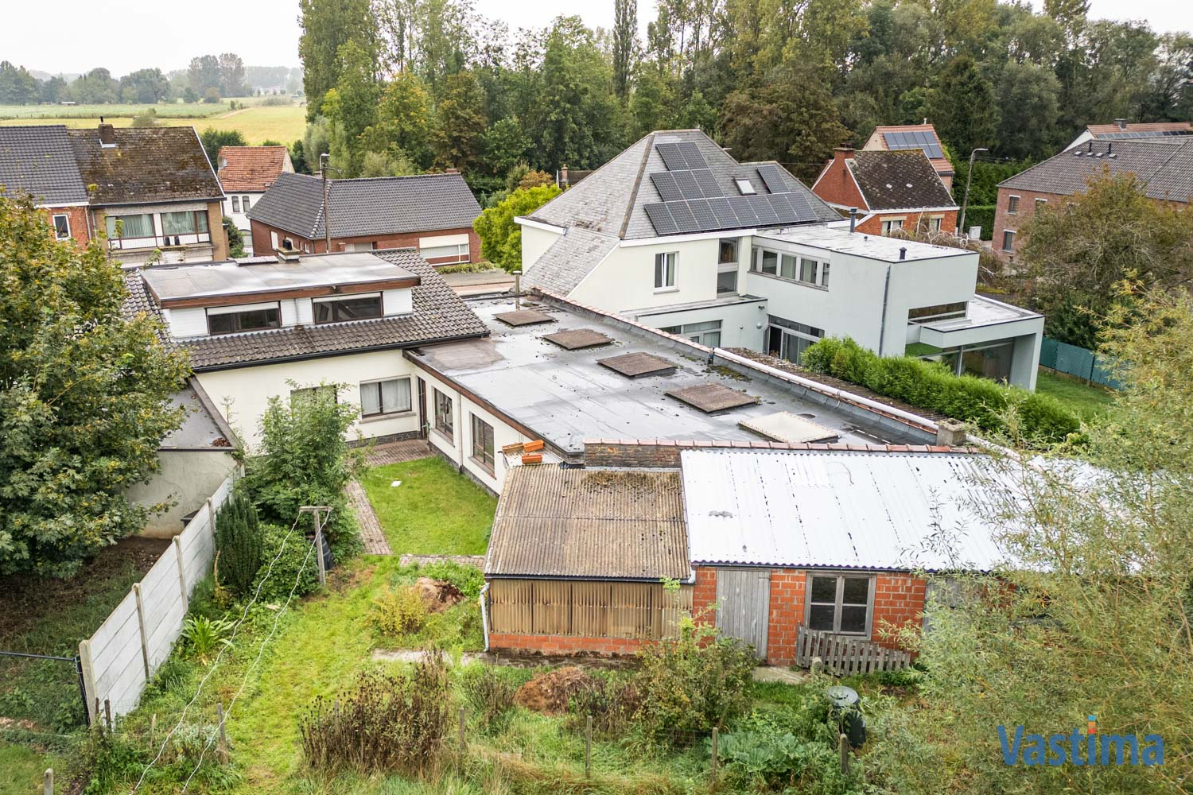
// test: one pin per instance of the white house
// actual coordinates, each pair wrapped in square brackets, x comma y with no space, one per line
[676,234]
[246,173]
[276,328]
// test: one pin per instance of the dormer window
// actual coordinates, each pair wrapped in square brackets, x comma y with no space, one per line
[744,186]
[247,317]
[352,307]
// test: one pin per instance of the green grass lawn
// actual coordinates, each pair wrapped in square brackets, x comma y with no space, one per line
[1086,401]
[22,770]
[435,511]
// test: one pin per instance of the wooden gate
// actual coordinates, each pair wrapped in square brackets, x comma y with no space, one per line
[743,605]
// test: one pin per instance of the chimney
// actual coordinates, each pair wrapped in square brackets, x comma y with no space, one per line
[288,256]
[903,252]
[950,433]
[852,219]
[451,171]
[843,153]
[1121,123]
[107,133]
[563,175]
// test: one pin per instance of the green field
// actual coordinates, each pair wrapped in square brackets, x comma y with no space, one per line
[283,123]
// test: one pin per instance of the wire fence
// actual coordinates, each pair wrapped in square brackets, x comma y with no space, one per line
[1078,362]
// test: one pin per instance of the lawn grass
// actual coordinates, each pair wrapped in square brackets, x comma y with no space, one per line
[1085,401]
[22,769]
[435,511]
[282,123]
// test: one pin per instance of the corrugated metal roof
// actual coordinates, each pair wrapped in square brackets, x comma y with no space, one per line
[839,509]
[611,524]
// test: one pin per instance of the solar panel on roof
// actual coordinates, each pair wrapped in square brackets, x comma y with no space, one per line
[688,185]
[660,219]
[915,139]
[691,153]
[744,211]
[782,208]
[708,183]
[664,182]
[672,157]
[773,178]
[706,219]
[761,206]
[802,207]
[726,218]
[684,220]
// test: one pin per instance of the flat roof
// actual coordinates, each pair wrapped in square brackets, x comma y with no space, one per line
[170,283]
[567,397]
[859,244]
[983,311]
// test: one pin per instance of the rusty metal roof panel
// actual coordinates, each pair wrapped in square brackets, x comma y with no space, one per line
[589,523]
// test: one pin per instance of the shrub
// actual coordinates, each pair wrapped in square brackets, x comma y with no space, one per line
[238,542]
[295,566]
[612,703]
[689,685]
[931,386]
[382,724]
[204,636]
[489,695]
[398,611]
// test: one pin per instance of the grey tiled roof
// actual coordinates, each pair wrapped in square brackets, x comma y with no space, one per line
[146,165]
[439,314]
[38,160]
[1163,168]
[899,180]
[569,259]
[362,207]
[612,198]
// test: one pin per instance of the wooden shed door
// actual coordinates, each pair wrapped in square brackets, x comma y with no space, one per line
[743,596]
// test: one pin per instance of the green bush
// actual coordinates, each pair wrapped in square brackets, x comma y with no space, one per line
[469,579]
[238,542]
[293,565]
[931,386]
[611,700]
[398,611]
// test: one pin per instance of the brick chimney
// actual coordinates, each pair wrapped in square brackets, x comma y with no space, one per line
[107,134]
[843,153]
[563,176]
[1120,123]
[451,171]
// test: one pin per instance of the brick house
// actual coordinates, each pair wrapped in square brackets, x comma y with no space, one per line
[432,213]
[891,190]
[1163,168]
[1120,130]
[913,136]
[38,160]
[246,172]
[828,536]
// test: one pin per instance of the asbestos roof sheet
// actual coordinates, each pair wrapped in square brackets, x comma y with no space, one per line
[39,160]
[783,426]
[372,206]
[864,510]
[610,524]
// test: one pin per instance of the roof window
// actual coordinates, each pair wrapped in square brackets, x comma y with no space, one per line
[744,186]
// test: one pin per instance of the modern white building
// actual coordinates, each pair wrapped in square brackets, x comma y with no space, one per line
[677,235]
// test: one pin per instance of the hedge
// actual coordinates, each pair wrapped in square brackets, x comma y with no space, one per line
[930,385]
[980,215]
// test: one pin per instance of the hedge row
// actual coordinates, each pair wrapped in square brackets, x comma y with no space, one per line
[930,385]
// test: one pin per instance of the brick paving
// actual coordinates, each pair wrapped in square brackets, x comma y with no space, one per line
[366,517]
[397,452]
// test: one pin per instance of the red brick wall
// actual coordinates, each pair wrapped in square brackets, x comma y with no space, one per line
[786,614]
[898,601]
[262,243]
[873,226]
[564,644]
[704,595]
[1004,220]
[836,186]
[78,222]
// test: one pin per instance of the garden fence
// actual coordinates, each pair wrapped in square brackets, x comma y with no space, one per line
[844,656]
[1079,362]
[120,658]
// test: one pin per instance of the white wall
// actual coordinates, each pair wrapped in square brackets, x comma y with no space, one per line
[739,322]
[186,479]
[923,283]
[240,219]
[625,279]
[534,242]
[249,389]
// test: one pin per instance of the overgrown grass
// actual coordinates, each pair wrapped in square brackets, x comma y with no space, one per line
[1085,401]
[435,511]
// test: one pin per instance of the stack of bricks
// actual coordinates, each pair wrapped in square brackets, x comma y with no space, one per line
[898,601]
[786,614]
[564,644]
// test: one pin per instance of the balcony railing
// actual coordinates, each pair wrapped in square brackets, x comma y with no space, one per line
[160,241]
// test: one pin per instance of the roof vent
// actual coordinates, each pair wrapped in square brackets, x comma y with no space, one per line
[1120,123]
[289,256]
[1112,155]
[1078,153]
[903,252]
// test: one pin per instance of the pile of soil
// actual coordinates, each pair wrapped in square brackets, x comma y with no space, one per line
[549,693]
[438,595]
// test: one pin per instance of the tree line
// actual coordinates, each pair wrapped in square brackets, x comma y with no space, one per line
[396,86]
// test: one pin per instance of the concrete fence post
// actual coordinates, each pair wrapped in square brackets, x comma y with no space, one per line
[715,738]
[47,786]
[181,574]
[843,749]
[89,695]
[588,748]
[141,626]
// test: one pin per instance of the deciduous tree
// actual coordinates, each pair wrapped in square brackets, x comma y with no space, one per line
[501,238]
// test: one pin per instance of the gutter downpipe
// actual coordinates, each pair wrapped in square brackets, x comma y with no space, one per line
[886,291]
[485,615]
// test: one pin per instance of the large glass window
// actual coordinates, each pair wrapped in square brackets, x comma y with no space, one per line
[391,396]
[664,270]
[788,339]
[343,309]
[1008,240]
[788,266]
[839,604]
[230,320]
[726,282]
[244,201]
[482,443]
[178,223]
[707,333]
[124,226]
[444,419]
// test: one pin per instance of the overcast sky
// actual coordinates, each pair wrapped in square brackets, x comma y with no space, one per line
[124,35]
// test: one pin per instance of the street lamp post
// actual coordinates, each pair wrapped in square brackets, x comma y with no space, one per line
[968,180]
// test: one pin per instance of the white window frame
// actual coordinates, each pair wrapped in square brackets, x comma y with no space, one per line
[273,240]
[1013,204]
[841,576]
[1005,248]
[235,204]
[665,266]
[66,219]
[381,412]
[889,225]
[461,253]
[935,223]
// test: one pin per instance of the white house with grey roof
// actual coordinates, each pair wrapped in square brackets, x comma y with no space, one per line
[675,234]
